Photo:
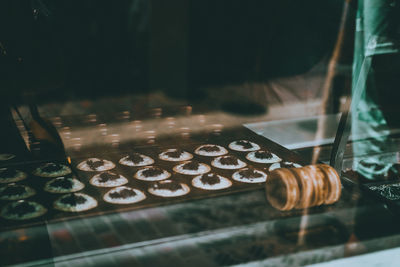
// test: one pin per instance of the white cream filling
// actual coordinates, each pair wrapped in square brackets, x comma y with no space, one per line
[28,193]
[108,165]
[145,161]
[162,176]
[95,180]
[19,176]
[251,156]
[235,146]
[240,178]
[168,193]
[222,151]
[217,163]
[90,203]
[203,168]
[184,156]
[76,186]
[39,211]
[63,171]
[129,200]
[223,183]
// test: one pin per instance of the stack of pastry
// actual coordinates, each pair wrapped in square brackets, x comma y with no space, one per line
[305,187]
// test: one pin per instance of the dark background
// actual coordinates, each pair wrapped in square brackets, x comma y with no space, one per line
[61,50]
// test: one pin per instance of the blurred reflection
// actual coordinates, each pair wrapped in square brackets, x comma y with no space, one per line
[376,69]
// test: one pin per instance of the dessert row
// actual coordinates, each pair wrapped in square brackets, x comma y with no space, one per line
[159,180]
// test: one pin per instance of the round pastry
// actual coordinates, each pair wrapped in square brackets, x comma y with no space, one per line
[307,186]
[263,156]
[22,210]
[228,162]
[244,145]
[95,164]
[75,202]
[333,181]
[249,175]
[285,164]
[108,179]
[282,190]
[175,155]
[136,160]
[192,168]
[16,192]
[169,188]
[211,181]
[321,190]
[63,185]
[152,173]
[211,150]
[6,157]
[124,195]
[50,170]
[8,175]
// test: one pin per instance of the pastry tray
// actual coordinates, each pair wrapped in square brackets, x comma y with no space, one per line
[189,144]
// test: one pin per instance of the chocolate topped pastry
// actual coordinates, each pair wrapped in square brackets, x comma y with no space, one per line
[51,167]
[169,188]
[210,150]
[95,164]
[152,173]
[249,175]
[175,155]
[52,170]
[75,202]
[49,170]
[285,164]
[22,210]
[244,145]
[210,178]
[124,195]
[192,168]
[15,192]
[9,175]
[191,165]
[108,176]
[63,185]
[211,181]
[108,179]
[263,156]
[135,159]
[228,162]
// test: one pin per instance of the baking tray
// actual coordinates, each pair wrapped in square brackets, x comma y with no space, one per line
[189,144]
